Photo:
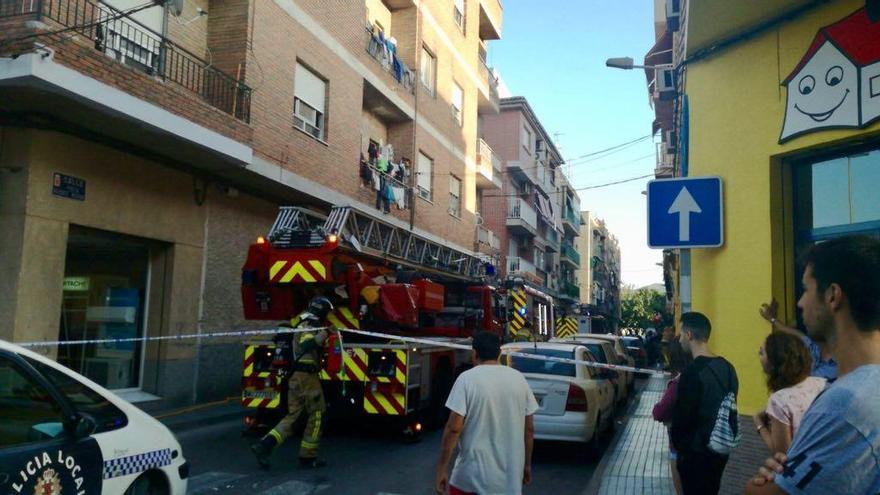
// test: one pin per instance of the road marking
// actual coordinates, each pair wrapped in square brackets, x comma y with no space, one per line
[295,487]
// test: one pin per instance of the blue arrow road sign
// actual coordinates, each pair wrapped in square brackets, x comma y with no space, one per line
[685,212]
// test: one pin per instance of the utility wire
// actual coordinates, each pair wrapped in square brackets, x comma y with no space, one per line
[585,188]
[634,141]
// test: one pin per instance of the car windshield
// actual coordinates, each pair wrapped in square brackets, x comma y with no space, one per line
[632,342]
[85,400]
[529,365]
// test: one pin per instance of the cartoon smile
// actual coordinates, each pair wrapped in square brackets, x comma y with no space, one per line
[822,117]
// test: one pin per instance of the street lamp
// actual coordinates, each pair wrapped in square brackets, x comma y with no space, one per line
[626,63]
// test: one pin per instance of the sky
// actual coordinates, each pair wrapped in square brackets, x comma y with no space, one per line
[553,53]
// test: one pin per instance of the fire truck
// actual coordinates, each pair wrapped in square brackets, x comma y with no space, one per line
[382,278]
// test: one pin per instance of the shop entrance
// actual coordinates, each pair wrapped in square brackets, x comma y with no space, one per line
[106,287]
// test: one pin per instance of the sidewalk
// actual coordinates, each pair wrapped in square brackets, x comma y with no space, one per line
[637,461]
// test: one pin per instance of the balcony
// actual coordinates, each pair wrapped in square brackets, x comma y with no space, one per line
[523,170]
[488,102]
[490,19]
[133,44]
[570,222]
[570,255]
[517,266]
[116,80]
[487,239]
[489,168]
[522,219]
[570,290]
[390,62]
[551,239]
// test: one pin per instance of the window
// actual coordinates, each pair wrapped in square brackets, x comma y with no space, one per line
[309,104]
[424,173]
[107,416]
[455,196]
[428,70]
[457,102]
[458,13]
[525,137]
[27,412]
[527,365]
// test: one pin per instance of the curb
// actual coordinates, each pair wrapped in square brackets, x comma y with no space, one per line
[206,416]
[596,480]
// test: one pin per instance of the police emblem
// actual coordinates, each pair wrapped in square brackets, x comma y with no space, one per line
[48,484]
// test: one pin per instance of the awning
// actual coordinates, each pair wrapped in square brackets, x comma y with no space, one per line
[544,208]
[659,54]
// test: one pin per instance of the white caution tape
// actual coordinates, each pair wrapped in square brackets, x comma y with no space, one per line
[591,364]
[452,344]
[212,335]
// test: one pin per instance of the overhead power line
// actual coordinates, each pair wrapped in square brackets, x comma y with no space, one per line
[634,141]
[613,183]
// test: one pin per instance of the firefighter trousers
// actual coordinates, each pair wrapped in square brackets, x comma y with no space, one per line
[304,397]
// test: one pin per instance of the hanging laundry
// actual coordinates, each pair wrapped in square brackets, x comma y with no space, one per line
[364,172]
[373,152]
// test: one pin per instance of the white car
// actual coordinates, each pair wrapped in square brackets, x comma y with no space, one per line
[61,433]
[622,356]
[604,353]
[576,402]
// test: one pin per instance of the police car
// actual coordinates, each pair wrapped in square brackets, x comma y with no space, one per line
[62,434]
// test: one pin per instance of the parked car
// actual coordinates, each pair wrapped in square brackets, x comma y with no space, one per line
[635,346]
[575,401]
[62,433]
[623,358]
[604,353]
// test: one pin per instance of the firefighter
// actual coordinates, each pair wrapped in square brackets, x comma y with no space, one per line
[304,389]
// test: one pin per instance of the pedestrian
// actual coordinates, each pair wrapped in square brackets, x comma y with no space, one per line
[787,364]
[677,360]
[491,420]
[304,396]
[835,450]
[824,365]
[704,421]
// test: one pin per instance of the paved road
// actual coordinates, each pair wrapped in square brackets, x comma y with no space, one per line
[369,464]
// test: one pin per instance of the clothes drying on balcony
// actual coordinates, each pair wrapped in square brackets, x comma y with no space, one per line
[384,50]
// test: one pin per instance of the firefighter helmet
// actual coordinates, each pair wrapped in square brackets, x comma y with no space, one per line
[320,307]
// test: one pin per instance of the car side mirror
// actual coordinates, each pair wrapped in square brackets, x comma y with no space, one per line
[83,426]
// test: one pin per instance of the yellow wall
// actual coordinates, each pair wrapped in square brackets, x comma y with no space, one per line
[736,109]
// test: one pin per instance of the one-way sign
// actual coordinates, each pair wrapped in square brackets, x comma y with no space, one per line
[685,212]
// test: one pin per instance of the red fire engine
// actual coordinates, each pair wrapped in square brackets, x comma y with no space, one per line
[382,278]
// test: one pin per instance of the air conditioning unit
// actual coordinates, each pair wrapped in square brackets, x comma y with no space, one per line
[673,15]
[664,83]
[670,140]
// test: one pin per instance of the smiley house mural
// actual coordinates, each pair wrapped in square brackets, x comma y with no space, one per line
[837,82]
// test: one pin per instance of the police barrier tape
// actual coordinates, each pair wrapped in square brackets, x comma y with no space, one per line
[591,364]
[400,338]
[239,333]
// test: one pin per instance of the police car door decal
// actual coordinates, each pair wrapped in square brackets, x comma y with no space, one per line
[60,467]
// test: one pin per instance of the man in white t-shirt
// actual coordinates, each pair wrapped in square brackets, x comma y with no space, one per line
[492,422]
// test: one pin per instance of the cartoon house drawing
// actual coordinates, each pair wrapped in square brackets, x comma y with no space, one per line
[837,82]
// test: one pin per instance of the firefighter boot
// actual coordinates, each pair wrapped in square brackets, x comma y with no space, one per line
[312,462]
[263,449]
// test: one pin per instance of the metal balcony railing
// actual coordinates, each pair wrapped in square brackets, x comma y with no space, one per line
[571,217]
[379,49]
[571,253]
[521,265]
[571,290]
[519,209]
[136,45]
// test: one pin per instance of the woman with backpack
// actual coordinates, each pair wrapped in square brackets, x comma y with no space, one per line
[787,364]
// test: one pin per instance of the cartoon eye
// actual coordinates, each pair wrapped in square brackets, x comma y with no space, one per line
[834,75]
[807,84]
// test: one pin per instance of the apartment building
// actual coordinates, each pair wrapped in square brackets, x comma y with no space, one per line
[532,213]
[142,152]
[599,274]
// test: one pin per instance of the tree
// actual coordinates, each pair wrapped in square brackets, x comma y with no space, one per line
[644,308]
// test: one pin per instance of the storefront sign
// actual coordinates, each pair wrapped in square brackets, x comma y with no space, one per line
[76,284]
[67,186]
[837,82]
